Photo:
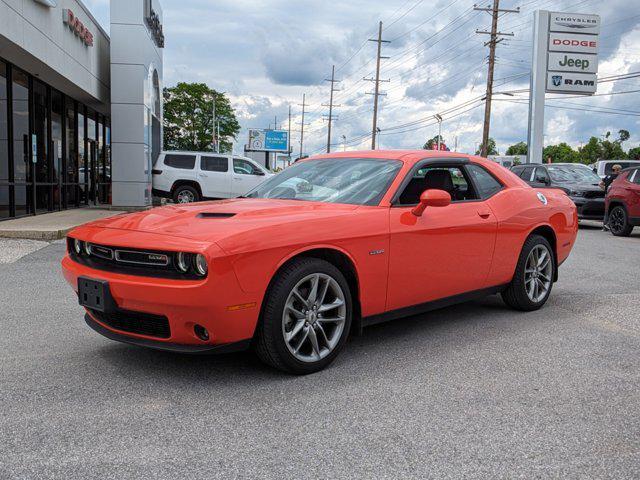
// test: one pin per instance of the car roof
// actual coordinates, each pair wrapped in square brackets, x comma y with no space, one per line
[406,156]
[209,154]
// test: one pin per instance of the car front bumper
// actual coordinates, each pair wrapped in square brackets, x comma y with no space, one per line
[589,208]
[216,303]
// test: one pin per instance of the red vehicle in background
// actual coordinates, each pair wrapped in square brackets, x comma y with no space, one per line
[623,202]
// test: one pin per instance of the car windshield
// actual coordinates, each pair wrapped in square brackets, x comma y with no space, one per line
[572,174]
[357,181]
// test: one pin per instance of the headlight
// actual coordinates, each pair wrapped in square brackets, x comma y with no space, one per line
[87,248]
[182,262]
[576,193]
[77,246]
[201,265]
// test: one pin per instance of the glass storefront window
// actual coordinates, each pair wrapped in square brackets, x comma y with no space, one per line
[20,122]
[20,91]
[71,167]
[54,151]
[83,178]
[4,144]
[41,155]
[57,111]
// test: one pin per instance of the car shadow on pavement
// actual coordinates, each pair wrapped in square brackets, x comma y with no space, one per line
[425,331]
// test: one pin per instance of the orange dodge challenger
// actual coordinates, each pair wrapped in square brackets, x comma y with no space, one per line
[330,245]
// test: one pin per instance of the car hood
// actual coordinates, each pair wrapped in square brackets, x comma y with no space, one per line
[212,221]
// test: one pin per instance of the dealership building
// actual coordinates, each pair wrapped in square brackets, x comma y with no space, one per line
[80,109]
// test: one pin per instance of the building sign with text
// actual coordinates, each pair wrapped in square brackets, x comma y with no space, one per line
[268,141]
[77,27]
[572,62]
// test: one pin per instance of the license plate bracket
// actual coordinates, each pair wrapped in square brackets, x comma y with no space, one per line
[94,294]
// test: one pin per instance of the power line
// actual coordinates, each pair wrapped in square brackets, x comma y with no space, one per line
[493,42]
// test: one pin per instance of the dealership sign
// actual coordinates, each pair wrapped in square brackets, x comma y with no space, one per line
[572,53]
[154,24]
[574,43]
[575,23]
[77,27]
[572,62]
[575,82]
[564,61]
[268,141]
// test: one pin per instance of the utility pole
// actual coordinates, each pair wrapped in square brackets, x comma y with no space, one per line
[289,138]
[377,93]
[333,82]
[304,105]
[439,118]
[495,12]
[215,146]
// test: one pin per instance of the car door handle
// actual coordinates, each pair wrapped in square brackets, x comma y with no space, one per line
[484,213]
[237,178]
[203,175]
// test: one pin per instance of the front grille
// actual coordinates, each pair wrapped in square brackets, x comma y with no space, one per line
[594,194]
[151,263]
[135,322]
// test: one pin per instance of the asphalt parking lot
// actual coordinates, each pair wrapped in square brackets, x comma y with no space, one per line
[474,391]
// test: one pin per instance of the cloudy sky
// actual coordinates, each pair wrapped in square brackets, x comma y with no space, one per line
[266,54]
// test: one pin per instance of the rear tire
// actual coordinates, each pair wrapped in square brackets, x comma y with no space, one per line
[301,332]
[533,279]
[619,222]
[185,194]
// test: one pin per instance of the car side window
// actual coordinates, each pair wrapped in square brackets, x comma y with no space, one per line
[184,162]
[542,176]
[636,176]
[517,170]
[244,167]
[450,179]
[526,174]
[486,184]
[214,164]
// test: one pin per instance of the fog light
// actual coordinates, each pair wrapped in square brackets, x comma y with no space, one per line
[182,262]
[201,332]
[201,265]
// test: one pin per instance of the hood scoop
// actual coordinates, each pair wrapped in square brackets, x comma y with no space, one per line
[215,215]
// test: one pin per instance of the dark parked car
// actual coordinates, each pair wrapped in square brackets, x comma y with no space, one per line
[623,202]
[579,181]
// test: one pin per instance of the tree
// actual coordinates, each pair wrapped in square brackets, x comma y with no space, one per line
[634,153]
[612,150]
[591,152]
[491,150]
[188,118]
[561,153]
[519,148]
[432,142]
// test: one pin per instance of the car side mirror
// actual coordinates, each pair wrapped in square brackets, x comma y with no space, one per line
[432,198]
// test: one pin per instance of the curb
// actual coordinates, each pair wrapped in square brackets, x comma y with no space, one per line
[46,235]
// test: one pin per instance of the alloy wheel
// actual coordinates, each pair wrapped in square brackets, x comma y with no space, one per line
[538,273]
[185,196]
[617,220]
[314,317]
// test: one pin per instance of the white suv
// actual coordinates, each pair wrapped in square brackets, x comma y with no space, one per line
[192,176]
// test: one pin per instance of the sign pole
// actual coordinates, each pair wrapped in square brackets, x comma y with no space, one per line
[535,137]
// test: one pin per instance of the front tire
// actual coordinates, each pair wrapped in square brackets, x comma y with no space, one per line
[619,222]
[306,317]
[185,194]
[533,278]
